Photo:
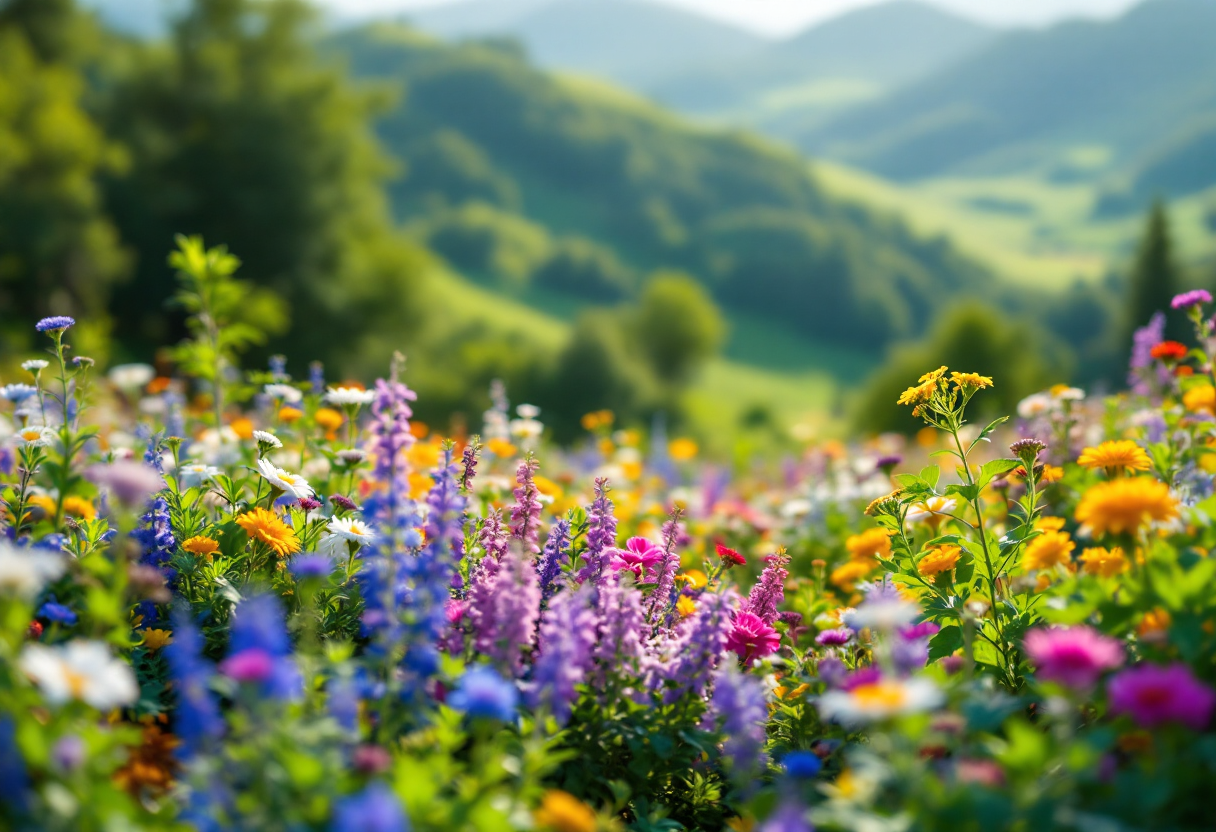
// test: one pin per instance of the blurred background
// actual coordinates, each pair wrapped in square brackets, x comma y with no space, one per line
[760,219]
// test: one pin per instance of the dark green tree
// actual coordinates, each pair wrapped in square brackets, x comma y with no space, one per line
[1154,277]
[677,326]
[59,253]
[240,133]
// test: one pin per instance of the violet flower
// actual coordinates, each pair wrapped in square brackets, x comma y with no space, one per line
[601,536]
[504,611]
[622,625]
[1072,656]
[663,597]
[567,634]
[552,557]
[739,710]
[1191,298]
[525,514]
[769,591]
[1154,695]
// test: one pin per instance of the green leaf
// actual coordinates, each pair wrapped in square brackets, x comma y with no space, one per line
[945,642]
[991,470]
[930,474]
[987,432]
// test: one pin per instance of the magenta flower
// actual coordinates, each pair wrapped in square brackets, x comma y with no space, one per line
[1073,656]
[639,556]
[252,665]
[751,638]
[834,638]
[1191,298]
[1153,695]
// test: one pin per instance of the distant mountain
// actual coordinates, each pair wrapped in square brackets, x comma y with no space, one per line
[876,48]
[1122,86]
[528,178]
[632,42]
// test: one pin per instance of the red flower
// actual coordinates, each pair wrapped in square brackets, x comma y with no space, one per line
[751,638]
[35,630]
[1169,351]
[729,556]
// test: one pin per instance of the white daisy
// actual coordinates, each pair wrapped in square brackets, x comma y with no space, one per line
[25,572]
[263,437]
[131,376]
[880,700]
[527,429]
[1034,405]
[35,365]
[34,437]
[196,473]
[285,392]
[884,615]
[345,530]
[293,484]
[933,507]
[349,395]
[17,392]
[82,670]
[528,411]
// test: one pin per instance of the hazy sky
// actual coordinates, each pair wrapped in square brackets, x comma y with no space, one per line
[786,16]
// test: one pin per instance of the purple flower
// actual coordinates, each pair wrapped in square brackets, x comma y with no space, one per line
[525,514]
[790,816]
[739,709]
[834,638]
[695,652]
[312,566]
[130,482]
[1153,695]
[493,537]
[503,611]
[260,651]
[663,597]
[601,536]
[639,557]
[197,716]
[342,503]
[1191,298]
[468,464]
[57,323]
[1142,363]
[483,693]
[752,638]
[69,752]
[769,591]
[622,626]
[249,666]
[375,809]
[915,632]
[886,463]
[309,504]
[567,633]
[553,556]
[832,671]
[1073,656]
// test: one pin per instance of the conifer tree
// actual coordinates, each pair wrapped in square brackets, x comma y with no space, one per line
[1154,277]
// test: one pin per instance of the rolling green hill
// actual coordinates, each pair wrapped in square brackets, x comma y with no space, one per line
[528,179]
[1029,98]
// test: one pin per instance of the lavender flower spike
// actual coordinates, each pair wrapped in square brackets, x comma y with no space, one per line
[503,609]
[566,638]
[525,514]
[662,600]
[601,536]
[739,710]
[553,556]
[769,591]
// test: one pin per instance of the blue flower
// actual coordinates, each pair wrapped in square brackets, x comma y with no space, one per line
[52,610]
[375,809]
[17,393]
[802,764]
[312,566]
[483,693]
[54,324]
[258,629]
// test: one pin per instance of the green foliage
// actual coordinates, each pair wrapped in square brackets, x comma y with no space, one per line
[1021,357]
[1154,277]
[59,253]
[677,326]
[238,132]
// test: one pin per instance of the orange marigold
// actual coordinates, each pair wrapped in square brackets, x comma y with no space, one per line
[204,547]
[1124,505]
[848,574]
[266,526]
[938,559]
[1048,550]
[1115,456]
[872,543]
[1105,563]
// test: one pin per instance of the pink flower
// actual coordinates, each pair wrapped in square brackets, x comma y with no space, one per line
[751,638]
[1073,656]
[1153,695]
[639,556]
[453,611]
[252,665]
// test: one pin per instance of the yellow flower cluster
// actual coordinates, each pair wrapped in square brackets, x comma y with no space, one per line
[938,559]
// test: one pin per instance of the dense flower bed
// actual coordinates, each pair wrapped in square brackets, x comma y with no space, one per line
[247,602]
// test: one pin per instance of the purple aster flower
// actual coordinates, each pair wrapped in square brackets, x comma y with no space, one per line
[862,676]
[483,693]
[567,633]
[834,638]
[888,463]
[375,809]
[916,632]
[342,503]
[308,504]
[832,671]
[1153,695]
[769,591]
[525,514]
[1191,298]
[739,709]
[601,536]
[57,323]
[252,666]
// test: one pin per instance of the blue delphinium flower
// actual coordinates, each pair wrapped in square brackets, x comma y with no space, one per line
[375,809]
[802,764]
[52,610]
[197,717]
[260,650]
[14,780]
[312,566]
[54,323]
[481,692]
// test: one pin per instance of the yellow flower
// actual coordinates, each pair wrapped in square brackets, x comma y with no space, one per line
[971,380]
[563,812]
[548,487]
[43,502]
[265,526]
[242,427]
[872,543]
[881,502]
[79,507]
[848,574]
[1115,456]
[424,455]
[1047,550]
[156,639]
[290,414]
[1124,505]
[420,484]
[1200,398]
[1105,563]
[1155,622]
[1049,524]
[933,376]
[686,606]
[695,578]
[1051,473]
[682,450]
[501,448]
[201,546]
[941,558]
[328,420]
[919,394]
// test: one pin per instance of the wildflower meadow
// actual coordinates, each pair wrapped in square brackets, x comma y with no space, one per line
[237,598]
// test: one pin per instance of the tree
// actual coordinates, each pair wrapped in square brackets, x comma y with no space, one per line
[241,134]
[59,254]
[1154,277]
[677,326]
